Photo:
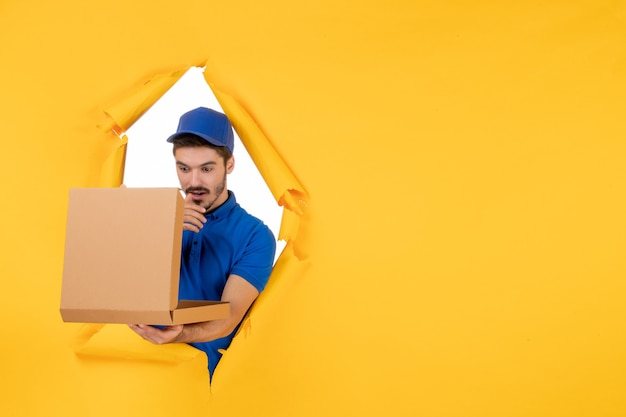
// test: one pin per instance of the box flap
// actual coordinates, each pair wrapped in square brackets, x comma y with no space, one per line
[186,312]
[122,250]
[198,311]
[116,316]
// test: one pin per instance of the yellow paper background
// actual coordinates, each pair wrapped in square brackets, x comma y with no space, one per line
[459,246]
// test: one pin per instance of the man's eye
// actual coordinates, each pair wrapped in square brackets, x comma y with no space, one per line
[183,169]
[207,169]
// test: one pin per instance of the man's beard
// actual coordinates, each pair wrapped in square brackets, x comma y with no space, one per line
[219,189]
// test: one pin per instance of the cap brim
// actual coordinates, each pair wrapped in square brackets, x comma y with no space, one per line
[209,139]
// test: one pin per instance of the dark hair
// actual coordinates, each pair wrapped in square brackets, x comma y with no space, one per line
[193,141]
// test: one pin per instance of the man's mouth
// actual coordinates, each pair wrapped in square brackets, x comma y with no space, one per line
[197,194]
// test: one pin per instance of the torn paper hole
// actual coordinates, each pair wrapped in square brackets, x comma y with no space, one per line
[150,163]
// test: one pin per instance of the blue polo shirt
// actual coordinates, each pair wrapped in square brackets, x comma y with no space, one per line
[231,242]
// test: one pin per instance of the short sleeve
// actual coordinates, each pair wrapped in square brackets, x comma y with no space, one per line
[257,259]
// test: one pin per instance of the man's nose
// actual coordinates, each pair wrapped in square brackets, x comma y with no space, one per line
[194,178]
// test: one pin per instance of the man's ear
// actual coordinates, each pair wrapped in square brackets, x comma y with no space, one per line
[230,164]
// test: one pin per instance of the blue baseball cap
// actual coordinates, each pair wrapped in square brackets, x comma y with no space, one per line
[210,125]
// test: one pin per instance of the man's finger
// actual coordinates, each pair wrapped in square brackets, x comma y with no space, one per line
[194,216]
[191,227]
[195,211]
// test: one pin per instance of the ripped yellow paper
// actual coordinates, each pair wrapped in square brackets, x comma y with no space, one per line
[461,250]
[124,113]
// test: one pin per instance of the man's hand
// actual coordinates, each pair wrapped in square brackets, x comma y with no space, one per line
[238,292]
[167,334]
[193,215]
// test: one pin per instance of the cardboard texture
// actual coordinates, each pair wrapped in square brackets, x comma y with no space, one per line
[122,259]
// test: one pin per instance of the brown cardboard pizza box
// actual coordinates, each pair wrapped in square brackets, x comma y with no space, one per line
[122,259]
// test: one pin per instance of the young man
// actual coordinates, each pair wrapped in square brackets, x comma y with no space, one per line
[227,254]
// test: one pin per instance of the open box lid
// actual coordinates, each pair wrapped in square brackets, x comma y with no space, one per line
[122,259]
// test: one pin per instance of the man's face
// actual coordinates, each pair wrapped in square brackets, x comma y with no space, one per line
[202,174]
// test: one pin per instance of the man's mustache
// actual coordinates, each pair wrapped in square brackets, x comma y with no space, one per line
[197,189]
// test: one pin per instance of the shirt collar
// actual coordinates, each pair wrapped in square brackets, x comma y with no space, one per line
[224,209]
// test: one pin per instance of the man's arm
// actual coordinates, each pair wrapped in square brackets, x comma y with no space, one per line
[239,292]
